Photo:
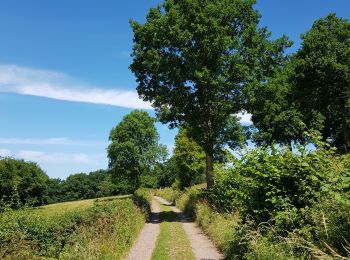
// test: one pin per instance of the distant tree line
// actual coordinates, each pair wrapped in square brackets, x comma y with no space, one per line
[135,160]
[25,183]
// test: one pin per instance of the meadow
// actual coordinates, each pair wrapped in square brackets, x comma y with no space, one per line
[87,229]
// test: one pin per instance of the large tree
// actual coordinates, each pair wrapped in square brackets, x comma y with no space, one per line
[276,116]
[134,150]
[192,60]
[22,182]
[321,78]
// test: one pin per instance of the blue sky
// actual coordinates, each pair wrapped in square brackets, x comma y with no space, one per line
[64,77]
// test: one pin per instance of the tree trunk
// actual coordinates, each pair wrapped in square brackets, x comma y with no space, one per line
[209,171]
[345,135]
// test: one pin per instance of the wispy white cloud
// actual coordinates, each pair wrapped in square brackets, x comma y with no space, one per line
[56,85]
[5,152]
[50,141]
[44,157]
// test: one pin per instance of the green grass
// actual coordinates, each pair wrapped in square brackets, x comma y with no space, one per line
[169,194]
[62,208]
[172,242]
[84,229]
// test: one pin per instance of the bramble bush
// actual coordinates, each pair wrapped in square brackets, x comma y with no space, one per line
[278,204]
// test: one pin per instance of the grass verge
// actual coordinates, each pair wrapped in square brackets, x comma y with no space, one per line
[172,242]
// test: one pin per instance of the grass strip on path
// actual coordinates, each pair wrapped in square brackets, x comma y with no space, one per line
[172,242]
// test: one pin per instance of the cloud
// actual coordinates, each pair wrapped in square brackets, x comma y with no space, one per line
[44,157]
[50,141]
[56,85]
[5,152]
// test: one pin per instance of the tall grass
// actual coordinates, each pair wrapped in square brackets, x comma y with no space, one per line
[105,230]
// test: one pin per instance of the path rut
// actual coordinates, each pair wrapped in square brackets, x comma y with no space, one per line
[202,247]
[146,241]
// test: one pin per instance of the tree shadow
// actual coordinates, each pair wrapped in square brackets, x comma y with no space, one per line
[169,216]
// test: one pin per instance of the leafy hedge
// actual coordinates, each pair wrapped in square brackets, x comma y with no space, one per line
[143,199]
[107,229]
[277,204]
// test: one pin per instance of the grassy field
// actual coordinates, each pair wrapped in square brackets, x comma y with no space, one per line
[87,229]
[62,208]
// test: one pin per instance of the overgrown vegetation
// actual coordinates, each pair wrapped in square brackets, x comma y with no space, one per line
[277,204]
[200,62]
[102,229]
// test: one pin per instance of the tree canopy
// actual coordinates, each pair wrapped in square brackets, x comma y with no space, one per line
[192,60]
[134,150]
[321,78]
[310,91]
[22,182]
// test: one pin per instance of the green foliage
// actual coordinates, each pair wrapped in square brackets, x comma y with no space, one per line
[21,182]
[305,192]
[80,186]
[189,158]
[320,79]
[83,232]
[169,194]
[168,174]
[143,199]
[277,204]
[134,151]
[274,114]
[269,180]
[310,91]
[192,60]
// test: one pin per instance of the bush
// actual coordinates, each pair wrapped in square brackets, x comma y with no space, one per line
[21,182]
[169,194]
[277,204]
[143,199]
[188,199]
[107,228]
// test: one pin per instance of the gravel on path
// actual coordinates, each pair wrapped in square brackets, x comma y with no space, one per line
[146,241]
[202,247]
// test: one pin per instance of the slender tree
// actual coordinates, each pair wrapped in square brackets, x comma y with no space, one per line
[192,60]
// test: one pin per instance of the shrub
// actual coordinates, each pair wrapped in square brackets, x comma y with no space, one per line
[143,199]
[188,199]
[108,228]
[169,194]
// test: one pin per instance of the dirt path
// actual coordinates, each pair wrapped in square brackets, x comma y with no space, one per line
[146,241]
[201,246]
[144,246]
